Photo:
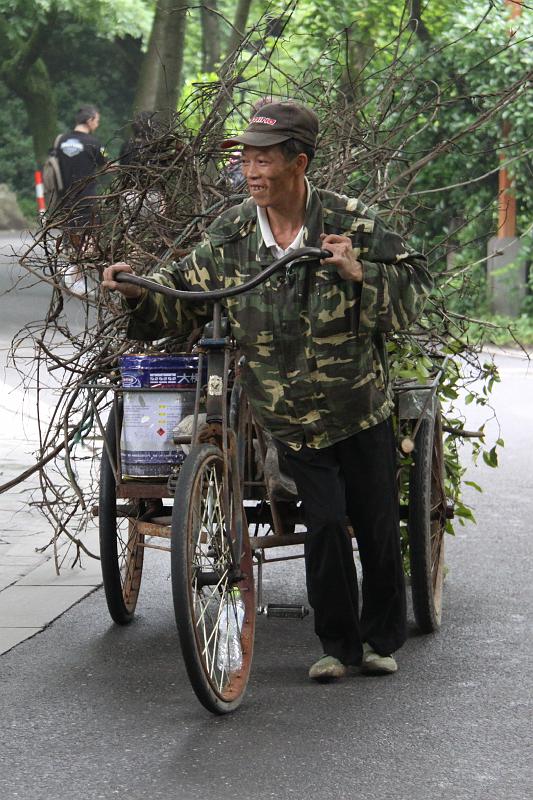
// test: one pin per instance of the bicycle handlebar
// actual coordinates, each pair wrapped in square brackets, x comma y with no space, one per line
[303,253]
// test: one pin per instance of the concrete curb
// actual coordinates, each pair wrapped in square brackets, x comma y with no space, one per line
[32,595]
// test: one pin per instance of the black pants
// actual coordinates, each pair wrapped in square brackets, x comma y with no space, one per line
[355,478]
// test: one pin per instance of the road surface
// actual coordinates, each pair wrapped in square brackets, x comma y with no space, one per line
[90,710]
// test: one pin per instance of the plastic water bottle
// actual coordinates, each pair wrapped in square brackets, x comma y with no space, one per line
[229,650]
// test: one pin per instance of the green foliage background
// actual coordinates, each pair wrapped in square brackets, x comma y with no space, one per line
[94,52]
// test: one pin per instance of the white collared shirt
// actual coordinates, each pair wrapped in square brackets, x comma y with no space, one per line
[268,237]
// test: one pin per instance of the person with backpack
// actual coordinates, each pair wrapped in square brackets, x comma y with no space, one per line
[70,182]
[80,155]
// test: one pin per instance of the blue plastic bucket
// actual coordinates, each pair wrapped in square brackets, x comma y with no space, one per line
[151,416]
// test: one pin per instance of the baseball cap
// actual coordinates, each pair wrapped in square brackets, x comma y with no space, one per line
[276,122]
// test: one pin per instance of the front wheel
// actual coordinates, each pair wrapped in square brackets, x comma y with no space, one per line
[206,585]
[427,520]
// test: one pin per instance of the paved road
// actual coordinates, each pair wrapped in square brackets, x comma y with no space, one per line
[93,711]
[18,308]
[31,593]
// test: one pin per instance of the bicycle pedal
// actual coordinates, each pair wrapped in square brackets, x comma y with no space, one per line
[284,611]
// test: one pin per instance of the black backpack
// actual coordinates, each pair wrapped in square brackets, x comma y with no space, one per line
[52,178]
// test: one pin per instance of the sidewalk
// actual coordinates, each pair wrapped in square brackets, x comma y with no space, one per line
[32,595]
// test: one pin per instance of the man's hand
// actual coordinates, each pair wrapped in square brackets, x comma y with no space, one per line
[109,282]
[344,258]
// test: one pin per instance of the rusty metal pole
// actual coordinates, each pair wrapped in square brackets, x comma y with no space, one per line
[507,199]
[506,271]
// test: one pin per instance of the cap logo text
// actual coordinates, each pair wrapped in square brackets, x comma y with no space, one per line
[264,120]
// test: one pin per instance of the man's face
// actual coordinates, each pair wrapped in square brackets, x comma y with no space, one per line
[93,122]
[270,177]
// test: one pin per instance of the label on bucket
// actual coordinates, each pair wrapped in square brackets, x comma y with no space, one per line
[147,447]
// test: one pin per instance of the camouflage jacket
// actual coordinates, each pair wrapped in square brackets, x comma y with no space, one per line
[315,366]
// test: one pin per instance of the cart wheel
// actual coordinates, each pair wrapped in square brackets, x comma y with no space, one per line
[426,525]
[121,551]
[201,580]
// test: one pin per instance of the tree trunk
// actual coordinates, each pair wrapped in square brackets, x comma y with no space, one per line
[239,25]
[160,76]
[211,48]
[169,85]
[36,91]
[25,73]
[357,55]
[131,49]
[417,24]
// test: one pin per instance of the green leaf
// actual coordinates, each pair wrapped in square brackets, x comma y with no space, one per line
[474,485]
[464,512]
[490,457]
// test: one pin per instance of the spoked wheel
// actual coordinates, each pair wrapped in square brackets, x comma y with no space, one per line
[121,550]
[427,520]
[204,584]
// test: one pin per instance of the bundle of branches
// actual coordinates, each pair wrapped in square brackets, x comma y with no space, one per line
[382,116]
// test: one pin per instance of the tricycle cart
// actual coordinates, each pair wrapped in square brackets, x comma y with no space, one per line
[230,504]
